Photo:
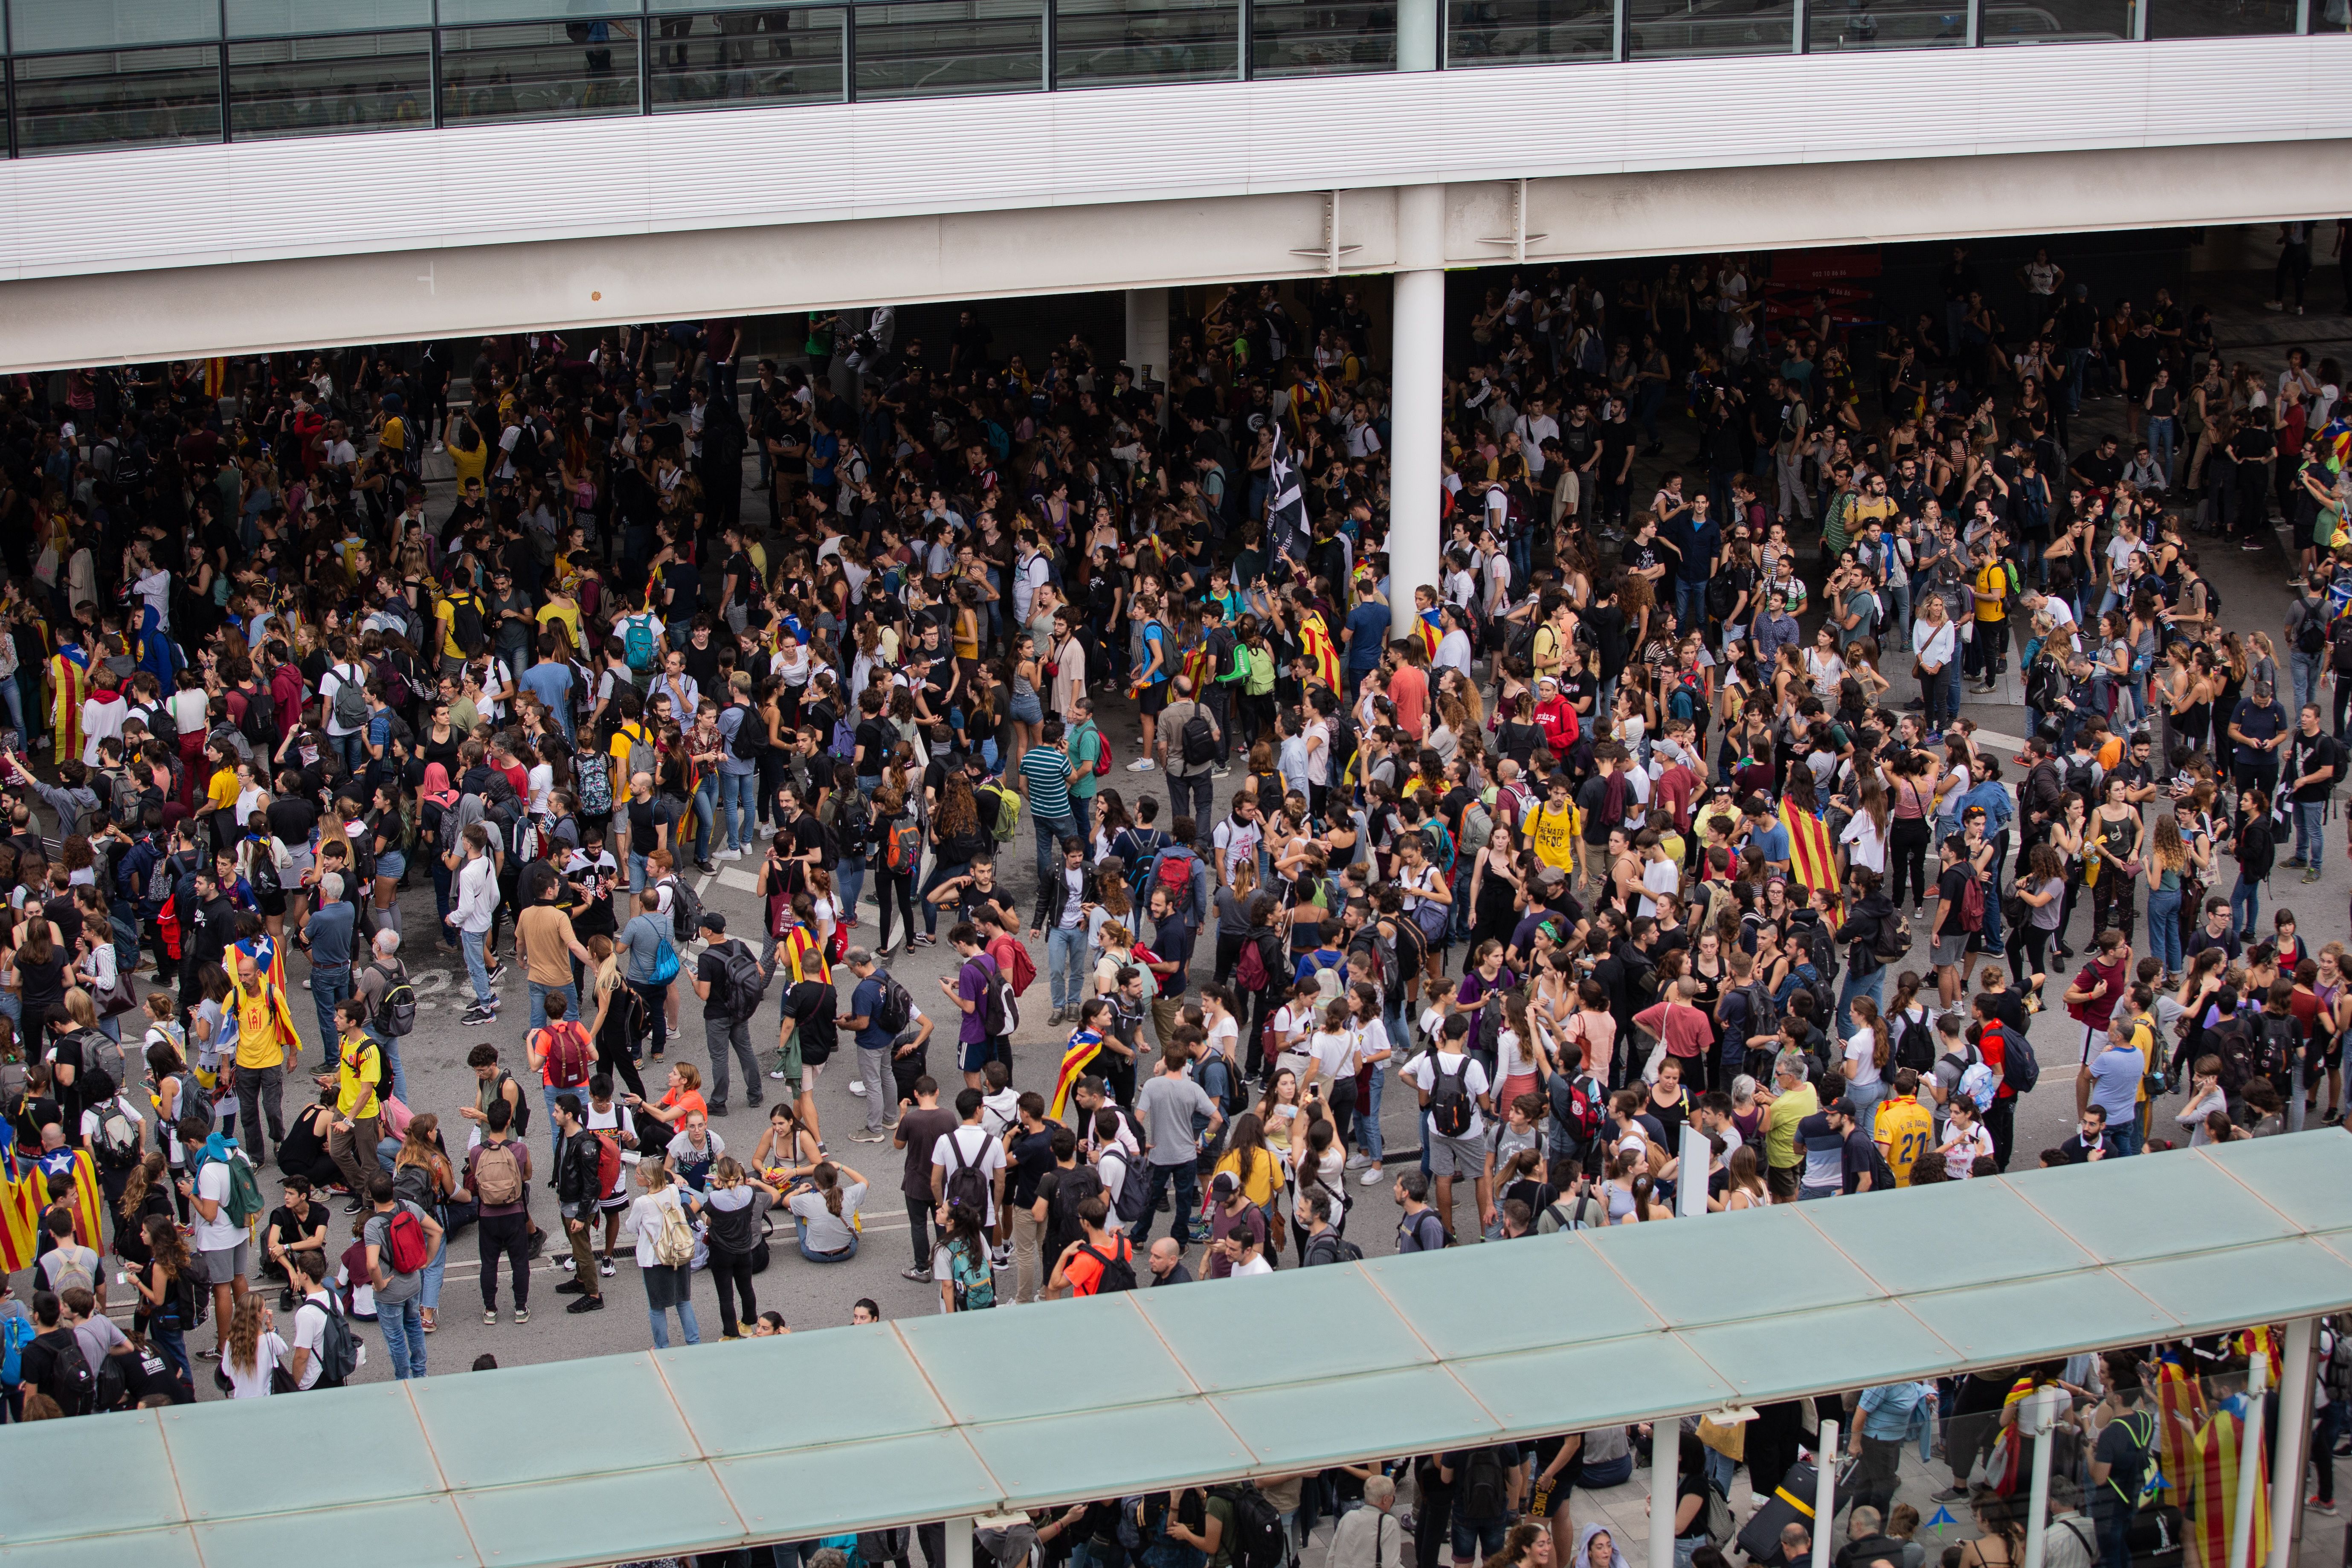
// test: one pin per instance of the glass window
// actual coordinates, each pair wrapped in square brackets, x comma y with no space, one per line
[1292,37]
[108,24]
[1111,43]
[2057,22]
[1661,29]
[950,46]
[287,19]
[1527,32]
[730,58]
[477,11]
[537,70]
[2233,18]
[319,87]
[1835,26]
[127,97]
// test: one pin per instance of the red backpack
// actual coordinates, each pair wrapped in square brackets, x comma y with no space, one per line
[404,1242]
[571,1058]
[608,1163]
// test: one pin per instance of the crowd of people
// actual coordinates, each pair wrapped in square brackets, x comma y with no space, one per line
[1589,843]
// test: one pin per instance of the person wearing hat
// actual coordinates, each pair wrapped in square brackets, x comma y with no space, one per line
[723,1031]
[1556,718]
[1236,1227]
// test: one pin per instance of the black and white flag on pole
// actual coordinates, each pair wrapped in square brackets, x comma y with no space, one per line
[1285,505]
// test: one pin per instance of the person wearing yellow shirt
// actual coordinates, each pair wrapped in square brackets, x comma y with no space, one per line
[1793,1097]
[267,1048]
[470,456]
[1989,649]
[352,1136]
[1904,1130]
[1551,826]
[562,608]
[454,651]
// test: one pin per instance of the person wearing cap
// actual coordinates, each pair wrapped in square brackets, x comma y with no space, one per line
[1236,1227]
[1556,717]
[724,1033]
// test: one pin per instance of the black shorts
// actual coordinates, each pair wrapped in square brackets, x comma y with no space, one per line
[1152,699]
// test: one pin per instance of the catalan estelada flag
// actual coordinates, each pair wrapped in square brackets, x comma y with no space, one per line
[22,1196]
[268,958]
[1431,631]
[88,1203]
[1812,856]
[2214,1480]
[1315,637]
[1084,1047]
[801,953]
[2180,1413]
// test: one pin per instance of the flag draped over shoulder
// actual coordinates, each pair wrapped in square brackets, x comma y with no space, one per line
[22,1193]
[1430,630]
[1810,854]
[267,957]
[1084,1047]
[1316,639]
[88,1203]
[2215,1481]
[2181,1412]
[69,680]
[1286,504]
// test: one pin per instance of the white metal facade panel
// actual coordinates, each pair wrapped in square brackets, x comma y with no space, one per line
[577,179]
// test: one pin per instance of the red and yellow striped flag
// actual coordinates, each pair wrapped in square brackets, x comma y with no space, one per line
[1084,1047]
[1812,856]
[88,1203]
[2181,1411]
[2215,1478]
[22,1194]
[1427,626]
[215,377]
[1316,639]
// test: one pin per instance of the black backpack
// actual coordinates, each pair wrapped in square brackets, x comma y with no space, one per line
[70,1381]
[746,981]
[1450,1107]
[2312,634]
[1485,1487]
[967,1184]
[1258,1540]
[339,1348]
[1117,1271]
[1915,1045]
[2339,637]
[897,1007]
[1077,1184]
[1200,741]
[466,617]
[1328,1249]
[1132,1187]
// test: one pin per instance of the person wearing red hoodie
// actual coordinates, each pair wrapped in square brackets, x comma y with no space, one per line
[1556,718]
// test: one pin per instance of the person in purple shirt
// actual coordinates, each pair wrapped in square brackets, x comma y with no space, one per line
[968,989]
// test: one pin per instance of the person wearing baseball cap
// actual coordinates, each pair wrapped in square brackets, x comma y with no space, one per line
[1236,1227]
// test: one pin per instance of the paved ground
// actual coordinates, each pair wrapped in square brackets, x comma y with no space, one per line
[812,1296]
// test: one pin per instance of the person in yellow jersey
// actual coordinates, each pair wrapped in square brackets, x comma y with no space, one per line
[461,607]
[1995,580]
[1551,826]
[266,1051]
[1902,1127]
[352,1136]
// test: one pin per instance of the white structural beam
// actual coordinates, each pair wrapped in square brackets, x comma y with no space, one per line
[376,296]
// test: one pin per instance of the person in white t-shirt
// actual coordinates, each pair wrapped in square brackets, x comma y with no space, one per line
[306,1361]
[969,1147]
[251,1350]
[222,1254]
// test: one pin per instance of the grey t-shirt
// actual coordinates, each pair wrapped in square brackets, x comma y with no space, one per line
[642,937]
[1166,1106]
[378,1234]
[1172,720]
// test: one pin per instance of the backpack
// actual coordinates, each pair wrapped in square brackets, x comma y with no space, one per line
[1477,827]
[2335,1372]
[1200,741]
[1583,1214]
[1485,1490]
[1117,1267]
[1578,1106]
[2278,1038]
[637,642]
[626,1019]
[1976,1083]
[244,1189]
[1102,747]
[1004,817]
[1024,968]
[351,697]
[498,1175]
[2312,635]
[397,694]
[902,846]
[967,1185]
[1915,1045]
[897,1007]
[571,1058]
[595,780]
[2232,1041]
[1972,904]
[1249,969]
[1172,869]
[2339,638]
[339,1348]
[1450,1107]
[685,910]
[1258,1540]
[642,757]
[1328,1249]
[116,1141]
[1078,1184]
[1763,1013]
[1131,1192]
[746,981]
[15,1334]
[1000,1013]
[466,627]
[1893,942]
[405,1236]
[70,1382]
[674,1243]
[397,1016]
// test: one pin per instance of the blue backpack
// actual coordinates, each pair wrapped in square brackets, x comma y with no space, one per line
[15,1334]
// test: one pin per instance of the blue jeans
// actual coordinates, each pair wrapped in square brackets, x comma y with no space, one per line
[1478,1538]
[1066,965]
[2245,904]
[737,803]
[1874,987]
[2163,441]
[2306,670]
[1368,1115]
[539,995]
[390,1045]
[706,814]
[941,871]
[1187,1179]
[2124,1136]
[844,1256]
[2310,830]
[1690,604]
[477,969]
[2111,1522]
[637,875]
[1051,831]
[685,1322]
[329,985]
[403,1334]
[2164,928]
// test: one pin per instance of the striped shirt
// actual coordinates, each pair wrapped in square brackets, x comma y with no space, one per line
[1047,770]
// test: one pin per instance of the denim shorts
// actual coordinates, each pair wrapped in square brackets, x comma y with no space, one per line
[391,864]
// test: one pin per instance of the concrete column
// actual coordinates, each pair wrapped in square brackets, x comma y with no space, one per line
[1825,1465]
[2293,1439]
[2036,1421]
[1418,25]
[1147,336]
[1416,398]
[2249,1467]
[959,1542]
[1665,1453]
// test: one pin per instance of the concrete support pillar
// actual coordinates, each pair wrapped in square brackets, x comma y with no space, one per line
[1418,34]
[2293,1439]
[959,1542]
[2249,1467]
[1825,1464]
[1417,400]
[1666,1451]
[1146,337]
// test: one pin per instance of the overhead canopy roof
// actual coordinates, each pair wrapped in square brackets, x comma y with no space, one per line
[596,1461]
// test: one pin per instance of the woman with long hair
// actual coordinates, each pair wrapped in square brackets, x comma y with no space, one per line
[2167,872]
[894,825]
[957,838]
[251,1350]
[163,1303]
[1746,1188]
[1256,1170]
[2042,891]
[420,1149]
[1869,1057]
[2111,855]
[826,1215]
[961,1265]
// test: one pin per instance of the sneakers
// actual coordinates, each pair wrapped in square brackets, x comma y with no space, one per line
[605,1266]
[587,1304]
[919,1275]
[718,1109]
[2315,1506]
[856,1086]
[353,1206]
[1140,766]
[522,1314]
[1371,1177]
[924,939]
[1357,1161]
[572,1288]
[2312,875]
[478,1015]
[870,1136]
[490,1317]
[1220,770]
[778,1074]
[2274,304]
[2250,544]
[498,972]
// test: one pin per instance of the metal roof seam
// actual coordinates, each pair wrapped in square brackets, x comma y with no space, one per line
[1444,1363]
[424,1430]
[702,1454]
[187,1514]
[2231,1175]
[1134,1300]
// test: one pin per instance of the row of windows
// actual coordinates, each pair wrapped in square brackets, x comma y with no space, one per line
[654,62]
